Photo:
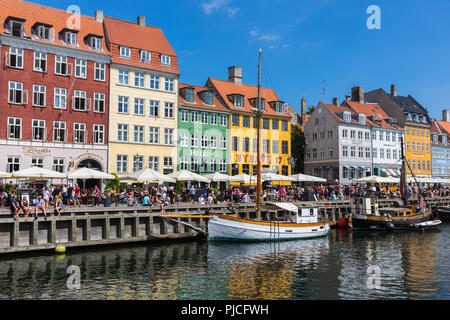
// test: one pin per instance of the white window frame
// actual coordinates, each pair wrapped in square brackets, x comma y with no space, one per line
[223,120]
[19,56]
[146,56]
[125,103]
[98,134]
[122,132]
[138,134]
[125,52]
[12,122]
[100,71]
[37,162]
[154,108]
[38,124]
[123,77]
[39,90]
[78,131]
[139,107]
[153,163]
[165,60]
[168,136]
[59,165]
[99,102]
[15,161]
[153,135]
[169,84]
[81,68]
[80,94]
[96,43]
[39,59]
[58,128]
[184,116]
[154,81]
[139,78]
[17,88]
[169,110]
[61,61]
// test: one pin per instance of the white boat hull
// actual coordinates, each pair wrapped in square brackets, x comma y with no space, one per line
[227,228]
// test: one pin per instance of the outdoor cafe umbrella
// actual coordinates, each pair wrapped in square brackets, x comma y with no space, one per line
[217,177]
[35,173]
[4,175]
[185,175]
[243,178]
[148,175]
[270,176]
[306,178]
[85,174]
[377,179]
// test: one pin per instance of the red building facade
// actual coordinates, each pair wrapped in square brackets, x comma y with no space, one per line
[54,89]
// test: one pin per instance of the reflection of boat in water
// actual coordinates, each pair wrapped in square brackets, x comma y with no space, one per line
[443,213]
[298,223]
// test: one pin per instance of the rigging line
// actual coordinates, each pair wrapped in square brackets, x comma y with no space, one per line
[267,74]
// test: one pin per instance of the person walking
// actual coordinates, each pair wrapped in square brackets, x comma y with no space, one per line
[96,198]
[77,196]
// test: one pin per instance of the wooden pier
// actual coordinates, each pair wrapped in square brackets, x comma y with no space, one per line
[88,226]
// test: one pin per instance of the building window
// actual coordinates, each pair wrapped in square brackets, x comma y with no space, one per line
[122,163]
[275,146]
[235,120]
[139,106]
[184,164]
[165,60]
[168,165]
[14,58]
[123,105]
[39,94]
[153,163]
[124,76]
[79,133]
[37,162]
[99,134]
[80,102]
[154,108]
[352,134]
[234,169]
[169,82]
[214,118]
[59,165]
[38,130]
[154,135]
[345,151]
[246,121]
[213,142]
[285,147]
[99,102]
[100,71]
[204,118]
[353,152]
[168,110]
[266,146]
[12,164]
[80,68]
[223,120]
[60,98]
[139,79]
[168,136]
[40,62]
[184,115]
[14,128]
[59,131]
[381,153]
[266,124]
[154,81]
[16,28]
[246,145]
[146,56]
[184,140]
[388,153]
[213,165]
[122,133]
[61,66]
[194,141]
[16,94]
[138,163]
[204,142]
[194,116]
[223,143]
[235,144]
[194,164]
[139,134]
[344,133]
[275,124]
[125,52]
[96,43]
[347,117]
[367,153]
[284,125]
[222,166]
[71,38]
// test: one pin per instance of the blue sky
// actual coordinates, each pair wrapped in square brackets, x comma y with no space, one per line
[318,49]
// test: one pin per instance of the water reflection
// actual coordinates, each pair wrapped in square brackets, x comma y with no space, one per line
[413,266]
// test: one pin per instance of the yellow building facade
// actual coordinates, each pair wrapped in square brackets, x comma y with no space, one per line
[418,149]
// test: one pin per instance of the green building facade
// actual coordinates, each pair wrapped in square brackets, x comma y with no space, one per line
[203,124]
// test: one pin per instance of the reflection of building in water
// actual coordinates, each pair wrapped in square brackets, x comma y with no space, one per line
[265,270]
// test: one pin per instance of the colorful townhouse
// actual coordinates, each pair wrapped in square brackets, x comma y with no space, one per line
[386,136]
[414,118]
[54,89]
[143,98]
[440,148]
[338,143]
[241,99]
[202,131]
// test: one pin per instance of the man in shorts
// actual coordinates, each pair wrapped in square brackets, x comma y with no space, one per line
[40,205]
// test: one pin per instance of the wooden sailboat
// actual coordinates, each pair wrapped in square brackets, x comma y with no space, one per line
[365,213]
[298,223]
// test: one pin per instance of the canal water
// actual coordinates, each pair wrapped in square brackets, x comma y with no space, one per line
[344,265]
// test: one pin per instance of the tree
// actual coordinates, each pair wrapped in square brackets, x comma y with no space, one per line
[113,183]
[311,109]
[298,143]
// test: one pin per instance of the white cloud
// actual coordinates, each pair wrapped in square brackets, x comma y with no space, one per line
[219,5]
[270,37]
[254,32]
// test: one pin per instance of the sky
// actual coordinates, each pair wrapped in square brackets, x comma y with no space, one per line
[317,49]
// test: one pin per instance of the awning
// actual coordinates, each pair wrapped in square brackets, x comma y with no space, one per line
[348,168]
[367,169]
[286,206]
[358,168]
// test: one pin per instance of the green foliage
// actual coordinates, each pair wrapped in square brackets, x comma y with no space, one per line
[114,183]
[298,149]
[179,187]
[311,109]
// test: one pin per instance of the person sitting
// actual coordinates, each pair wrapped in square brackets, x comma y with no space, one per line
[146,201]
[40,205]
[25,204]
[15,207]
[59,205]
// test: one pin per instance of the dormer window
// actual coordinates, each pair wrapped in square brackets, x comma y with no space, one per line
[435,138]
[71,38]
[424,119]
[96,43]
[362,119]
[279,106]
[125,52]
[16,27]
[188,94]
[165,60]
[44,31]
[444,139]
[146,56]
[237,100]
[347,117]
[207,97]
[416,118]
[408,116]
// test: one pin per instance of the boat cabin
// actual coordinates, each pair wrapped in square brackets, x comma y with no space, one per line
[299,214]
[367,206]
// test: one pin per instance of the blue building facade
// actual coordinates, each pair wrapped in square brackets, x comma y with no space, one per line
[440,150]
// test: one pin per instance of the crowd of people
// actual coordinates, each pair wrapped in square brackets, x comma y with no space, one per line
[59,197]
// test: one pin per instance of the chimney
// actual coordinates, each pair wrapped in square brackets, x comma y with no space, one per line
[99,16]
[303,110]
[393,90]
[358,94]
[235,75]
[336,102]
[446,115]
[141,21]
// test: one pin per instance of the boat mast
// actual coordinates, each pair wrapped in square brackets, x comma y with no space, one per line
[403,175]
[258,161]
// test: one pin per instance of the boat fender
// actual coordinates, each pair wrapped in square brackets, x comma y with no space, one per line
[390,226]
[60,249]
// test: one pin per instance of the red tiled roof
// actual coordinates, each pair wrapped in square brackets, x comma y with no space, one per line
[337,109]
[444,125]
[198,103]
[58,18]
[371,109]
[225,88]
[128,34]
